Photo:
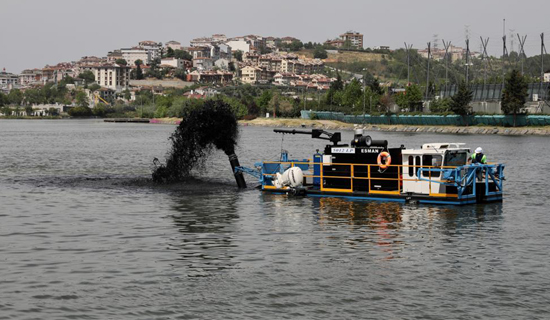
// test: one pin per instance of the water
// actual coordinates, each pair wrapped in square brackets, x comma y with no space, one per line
[84,234]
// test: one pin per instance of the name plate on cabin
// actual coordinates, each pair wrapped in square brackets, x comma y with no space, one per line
[372,150]
[343,150]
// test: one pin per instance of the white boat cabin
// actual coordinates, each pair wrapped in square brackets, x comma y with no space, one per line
[434,156]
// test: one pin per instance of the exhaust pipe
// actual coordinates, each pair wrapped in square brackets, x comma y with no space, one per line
[239,178]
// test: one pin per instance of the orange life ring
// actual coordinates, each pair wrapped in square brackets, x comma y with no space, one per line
[387,161]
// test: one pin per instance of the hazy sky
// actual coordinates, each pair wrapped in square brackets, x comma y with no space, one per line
[34,33]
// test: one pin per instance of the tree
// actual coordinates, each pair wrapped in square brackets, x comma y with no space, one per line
[182,54]
[87,76]
[460,102]
[320,53]
[94,87]
[180,74]
[238,55]
[347,44]
[139,72]
[274,104]
[53,112]
[66,80]
[15,97]
[6,110]
[28,110]
[33,96]
[374,85]
[121,62]
[82,99]
[264,99]
[335,87]
[296,45]
[127,95]
[80,112]
[170,53]
[514,94]
[353,94]
[414,97]
[3,99]
[411,99]
[441,105]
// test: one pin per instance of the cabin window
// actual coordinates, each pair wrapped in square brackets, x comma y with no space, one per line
[417,163]
[431,161]
[411,166]
[455,159]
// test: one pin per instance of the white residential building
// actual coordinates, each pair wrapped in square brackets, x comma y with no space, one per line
[8,80]
[222,64]
[203,63]
[152,47]
[173,62]
[112,76]
[133,54]
[237,45]
[174,45]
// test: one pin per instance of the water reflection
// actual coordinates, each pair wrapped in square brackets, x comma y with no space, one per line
[206,224]
[372,214]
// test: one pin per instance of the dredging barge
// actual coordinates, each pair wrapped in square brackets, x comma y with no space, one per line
[366,169]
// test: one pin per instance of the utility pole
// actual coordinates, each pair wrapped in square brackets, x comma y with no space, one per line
[467,60]
[428,73]
[504,54]
[504,51]
[542,52]
[305,103]
[408,50]
[447,46]
[364,93]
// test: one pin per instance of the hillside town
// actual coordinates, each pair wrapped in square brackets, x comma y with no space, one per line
[208,64]
[216,59]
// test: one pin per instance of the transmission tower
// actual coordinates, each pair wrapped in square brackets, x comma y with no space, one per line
[435,41]
[408,50]
[485,59]
[542,52]
[428,73]
[446,45]
[467,59]
[521,50]
[504,54]
[512,31]
[467,31]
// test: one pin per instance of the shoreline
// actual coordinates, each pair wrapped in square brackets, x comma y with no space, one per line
[338,125]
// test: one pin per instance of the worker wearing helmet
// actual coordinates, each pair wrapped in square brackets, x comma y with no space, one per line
[478,157]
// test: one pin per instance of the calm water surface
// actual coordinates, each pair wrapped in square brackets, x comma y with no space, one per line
[84,234]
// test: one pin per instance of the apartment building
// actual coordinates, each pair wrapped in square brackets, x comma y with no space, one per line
[250,74]
[30,76]
[354,37]
[152,48]
[112,76]
[8,80]
[174,45]
[133,54]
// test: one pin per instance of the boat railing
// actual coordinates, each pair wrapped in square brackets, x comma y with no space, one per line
[462,177]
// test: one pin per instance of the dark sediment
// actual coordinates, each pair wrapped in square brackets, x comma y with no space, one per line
[212,125]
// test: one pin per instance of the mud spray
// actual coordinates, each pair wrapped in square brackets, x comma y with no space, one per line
[213,125]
